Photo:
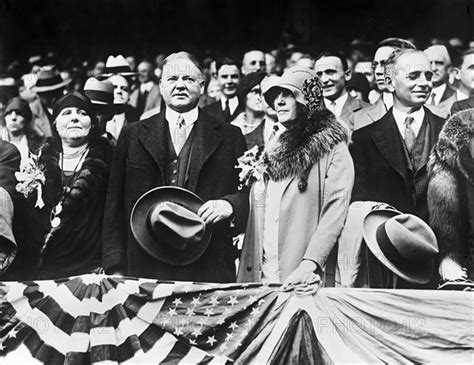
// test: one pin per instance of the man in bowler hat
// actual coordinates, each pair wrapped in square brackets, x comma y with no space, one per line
[184,147]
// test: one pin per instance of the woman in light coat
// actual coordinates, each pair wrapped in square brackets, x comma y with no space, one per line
[298,209]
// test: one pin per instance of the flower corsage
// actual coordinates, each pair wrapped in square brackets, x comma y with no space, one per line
[31,178]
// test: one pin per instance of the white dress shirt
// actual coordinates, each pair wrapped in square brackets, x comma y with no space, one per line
[115,125]
[461,96]
[233,104]
[438,93]
[189,117]
[146,86]
[268,129]
[336,106]
[400,117]
[387,99]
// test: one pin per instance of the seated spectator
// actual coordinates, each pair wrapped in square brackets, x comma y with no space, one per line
[250,97]
[18,128]
[228,106]
[124,113]
[358,87]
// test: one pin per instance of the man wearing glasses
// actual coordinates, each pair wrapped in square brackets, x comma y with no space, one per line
[375,111]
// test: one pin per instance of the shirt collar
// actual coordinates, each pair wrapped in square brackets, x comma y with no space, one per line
[400,117]
[340,101]
[461,96]
[387,99]
[233,102]
[146,86]
[189,117]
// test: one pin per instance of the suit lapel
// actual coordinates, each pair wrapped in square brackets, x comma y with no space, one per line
[387,139]
[206,140]
[347,108]
[448,92]
[154,139]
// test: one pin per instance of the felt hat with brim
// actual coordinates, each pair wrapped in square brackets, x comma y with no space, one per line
[117,66]
[165,223]
[100,92]
[292,80]
[49,79]
[404,243]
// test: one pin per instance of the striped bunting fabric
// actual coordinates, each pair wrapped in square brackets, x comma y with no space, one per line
[100,319]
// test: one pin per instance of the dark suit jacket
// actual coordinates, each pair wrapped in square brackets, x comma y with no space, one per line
[448,92]
[462,105]
[215,111]
[153,100]
[382,172]
[140,164]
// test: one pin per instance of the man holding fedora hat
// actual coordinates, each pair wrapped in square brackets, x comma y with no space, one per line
[165,237]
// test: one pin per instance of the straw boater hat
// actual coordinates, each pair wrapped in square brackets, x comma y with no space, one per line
[404,243]
[100,92]
[49,79]
[117,66]
[165,223]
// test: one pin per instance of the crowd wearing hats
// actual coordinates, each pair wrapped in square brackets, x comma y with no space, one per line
[357,172]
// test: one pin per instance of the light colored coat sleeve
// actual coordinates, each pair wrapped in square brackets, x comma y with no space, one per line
[335,198]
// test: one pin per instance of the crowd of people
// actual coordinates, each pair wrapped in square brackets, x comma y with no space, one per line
[338,169]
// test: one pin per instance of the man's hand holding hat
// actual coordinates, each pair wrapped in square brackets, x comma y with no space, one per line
[214,211]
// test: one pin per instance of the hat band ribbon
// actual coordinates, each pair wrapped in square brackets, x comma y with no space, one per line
[117,69]
[391,252]
[97,95]
[52,81]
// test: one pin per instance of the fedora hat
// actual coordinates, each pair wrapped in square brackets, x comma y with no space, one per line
[100,92]
[49,79]
[404,243]
[165,223]
[117,66]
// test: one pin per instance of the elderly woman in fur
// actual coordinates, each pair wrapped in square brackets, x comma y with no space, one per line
[451,196]
[299,206]
[77,168]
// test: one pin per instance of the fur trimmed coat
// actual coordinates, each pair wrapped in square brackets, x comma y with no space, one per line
[313,157]
[75,246]
[451,188]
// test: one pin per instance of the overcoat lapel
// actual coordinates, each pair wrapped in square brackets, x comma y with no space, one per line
[386,137]
[154,139]
[206,140]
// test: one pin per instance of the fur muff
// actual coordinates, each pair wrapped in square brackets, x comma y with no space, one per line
[451,179]
[303,145]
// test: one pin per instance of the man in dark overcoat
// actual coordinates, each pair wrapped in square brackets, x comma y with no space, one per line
[182,146]
[391,155]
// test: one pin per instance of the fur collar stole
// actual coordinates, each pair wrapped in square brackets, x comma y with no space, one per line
[452,149]
[303,145]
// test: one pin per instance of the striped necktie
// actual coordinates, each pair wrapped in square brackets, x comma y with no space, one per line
[180,134]
[409,134]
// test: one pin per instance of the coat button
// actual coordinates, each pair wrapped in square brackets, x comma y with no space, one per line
[175,161]
[173,181]
[175,171]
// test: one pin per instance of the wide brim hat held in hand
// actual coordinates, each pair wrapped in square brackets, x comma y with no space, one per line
[165,223]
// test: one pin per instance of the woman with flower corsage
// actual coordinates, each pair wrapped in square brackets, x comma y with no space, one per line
[76,166]
[300,197]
